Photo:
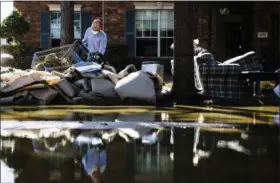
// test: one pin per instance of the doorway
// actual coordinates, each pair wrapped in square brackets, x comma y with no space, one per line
[234,29]
[273,58]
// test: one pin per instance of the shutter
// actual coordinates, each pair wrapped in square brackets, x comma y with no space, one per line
[130,32]
[45,29]
[86,22]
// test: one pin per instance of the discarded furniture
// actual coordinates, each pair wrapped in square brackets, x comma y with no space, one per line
[256,77]
[222,80]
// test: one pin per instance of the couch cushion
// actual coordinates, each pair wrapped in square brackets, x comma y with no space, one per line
[205,58]
[249,61]
[213,69]
[229,86]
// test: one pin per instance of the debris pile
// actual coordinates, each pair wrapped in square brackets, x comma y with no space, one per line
[79,83]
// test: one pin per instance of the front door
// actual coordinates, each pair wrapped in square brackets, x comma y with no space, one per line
[232,42]
[273,58]
[233,29]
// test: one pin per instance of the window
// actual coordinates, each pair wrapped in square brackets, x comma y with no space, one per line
[154,33]
[56,26]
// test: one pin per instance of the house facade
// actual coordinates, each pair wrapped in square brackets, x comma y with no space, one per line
[146,28]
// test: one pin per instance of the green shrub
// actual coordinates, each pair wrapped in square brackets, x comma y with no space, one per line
[117,56]
[14,26]
[22,54]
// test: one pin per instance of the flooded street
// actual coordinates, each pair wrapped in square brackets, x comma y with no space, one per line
[85,144]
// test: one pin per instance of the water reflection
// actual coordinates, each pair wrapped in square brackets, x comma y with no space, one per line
[143,154]
[214,114]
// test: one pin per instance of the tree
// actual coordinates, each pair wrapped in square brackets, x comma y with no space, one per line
[67,26]
[185,17]
[14,26]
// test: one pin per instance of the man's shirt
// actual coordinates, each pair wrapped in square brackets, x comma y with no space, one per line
[96,42]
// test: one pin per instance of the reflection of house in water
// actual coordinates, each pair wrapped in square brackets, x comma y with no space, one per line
[54,158]
[143,155]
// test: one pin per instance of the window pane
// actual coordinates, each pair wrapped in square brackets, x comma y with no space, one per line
[163,24]
[55,42]
[171,15]
[146,24]
[139,15]
[55,33]
[139,28]
[154,15]
[165,44]
[146,47]
[76,16]
[139,24]
[154,33]
[163,33]
[154,28]
[154,24]
[164,15]
[170,33]
[163,27]
[147,33]
[139,33]
[77,30]
[147,15]
[170,25]
[53,17]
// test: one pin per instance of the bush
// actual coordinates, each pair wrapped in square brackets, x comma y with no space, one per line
[115,55]
[118,57]
[22,54]
[14,26]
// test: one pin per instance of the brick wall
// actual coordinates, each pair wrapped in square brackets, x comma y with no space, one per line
[114,19]
[30,11]
[263,12]
[204,19]
[114,16]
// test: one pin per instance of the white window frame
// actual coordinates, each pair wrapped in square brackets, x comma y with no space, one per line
[153,6]
[80,20]
[56,8]
[158,34]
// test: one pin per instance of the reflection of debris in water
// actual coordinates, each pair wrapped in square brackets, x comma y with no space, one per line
[277,119]
[233,145]
[7,173]
[33,125]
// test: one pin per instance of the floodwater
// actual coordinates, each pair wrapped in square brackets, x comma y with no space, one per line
[185,144]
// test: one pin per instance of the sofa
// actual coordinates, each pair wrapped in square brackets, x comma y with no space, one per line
[221,80]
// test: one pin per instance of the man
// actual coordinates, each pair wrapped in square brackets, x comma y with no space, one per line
[95,38]
[94,162]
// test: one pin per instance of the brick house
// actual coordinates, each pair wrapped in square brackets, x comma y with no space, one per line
[146,28]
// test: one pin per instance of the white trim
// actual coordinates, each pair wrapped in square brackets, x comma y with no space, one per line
[154,6]
[56,7]
[158,36]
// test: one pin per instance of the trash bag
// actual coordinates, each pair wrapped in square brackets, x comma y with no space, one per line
[137,85]
[96,57]
[104,87]
[6,59]
[128,70]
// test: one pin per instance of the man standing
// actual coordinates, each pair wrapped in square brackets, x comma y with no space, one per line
[95,38]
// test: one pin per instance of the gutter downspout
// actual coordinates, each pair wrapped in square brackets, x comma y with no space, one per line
[103,15]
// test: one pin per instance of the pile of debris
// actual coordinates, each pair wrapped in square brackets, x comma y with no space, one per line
[73,74]
[85,82]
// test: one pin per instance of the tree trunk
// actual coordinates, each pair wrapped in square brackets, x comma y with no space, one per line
[67,26]
[185,19]
[183,170]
